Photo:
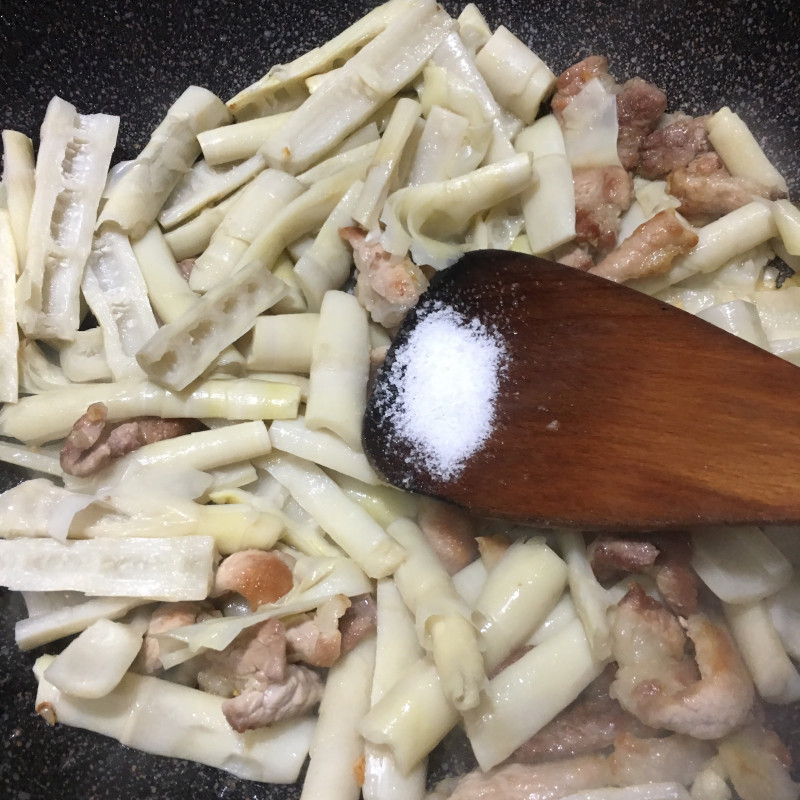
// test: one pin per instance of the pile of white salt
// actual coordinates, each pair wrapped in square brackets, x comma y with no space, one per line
[447,375]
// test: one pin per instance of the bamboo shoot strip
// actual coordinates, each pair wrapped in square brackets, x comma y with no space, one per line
[443,621]
[345,101]
[71,169]
[170,294]
[327,263]
[414,715]
[168,719]
[264,97]
[349,525]
[52,625]
[549,204]
[282,343]
[775,676]
[321,447]
[43,418]
[383,168]
[526,695]
[204,450]
[337,393]
[516,76]
[397,649]
[204,185]
[591,599]
[136,199]
[718,242]
[183,349]
[18,180]
[243,140]
[191,238]
[9,335]
[253,209]
[740,151]
[115,290]
[180,568]
[336,746]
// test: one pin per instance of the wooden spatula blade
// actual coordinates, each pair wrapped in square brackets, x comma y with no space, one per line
[616,411]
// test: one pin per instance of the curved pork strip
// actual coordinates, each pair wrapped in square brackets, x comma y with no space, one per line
[708,191]
[659,682]
[94,443]
[649,250]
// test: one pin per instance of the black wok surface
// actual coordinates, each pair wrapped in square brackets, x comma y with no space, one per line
[134,57]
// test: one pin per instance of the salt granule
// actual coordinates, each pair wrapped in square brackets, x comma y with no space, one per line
[447,376]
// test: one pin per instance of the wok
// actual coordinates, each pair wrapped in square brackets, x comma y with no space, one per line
[133,58]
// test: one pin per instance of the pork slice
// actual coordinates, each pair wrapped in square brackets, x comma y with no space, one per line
[705,694]
[294,696]
[574,254]
[588,725]
[673,146]
[94,443]
[708,191]
[166,617]
[573,79]
[317,640]
[675,578]
[255,659]
[388,286]
[450,532]
[534,781]
[639,107]
[609,555]
[601,195]
[649,250]
[359,621]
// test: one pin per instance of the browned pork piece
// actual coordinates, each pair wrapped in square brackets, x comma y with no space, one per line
[589,725]
[633,761]
[388,286]
[707,190]
[317,640]
[167,617]
[758,764]
[610,555]
[93,443]
[261,686]
[572,80]
[673,146]
[260,576]
[337,627]
[601,195]
[359,621]
[706,696]
[534,781]
[639,107]
[450,532]
[639,104]
[666,558]
[649,250]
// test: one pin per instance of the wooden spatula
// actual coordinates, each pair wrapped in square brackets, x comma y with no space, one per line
[613,411]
